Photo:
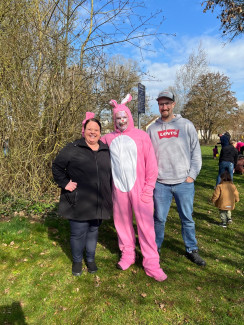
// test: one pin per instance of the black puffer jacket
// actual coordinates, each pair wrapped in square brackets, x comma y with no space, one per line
[92,199]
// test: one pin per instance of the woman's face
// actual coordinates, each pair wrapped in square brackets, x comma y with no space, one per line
[92,133]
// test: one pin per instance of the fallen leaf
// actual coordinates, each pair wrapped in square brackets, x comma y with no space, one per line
[53,230]
[121,285]
[98,281]
[143,295]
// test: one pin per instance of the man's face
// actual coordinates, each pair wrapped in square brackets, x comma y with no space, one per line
[121,120]
[166,107]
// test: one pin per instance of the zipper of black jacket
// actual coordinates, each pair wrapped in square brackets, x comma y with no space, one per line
[98,182]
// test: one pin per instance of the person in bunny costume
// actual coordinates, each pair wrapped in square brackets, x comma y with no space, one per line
[134,170]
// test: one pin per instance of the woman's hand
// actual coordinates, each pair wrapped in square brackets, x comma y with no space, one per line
[71,186]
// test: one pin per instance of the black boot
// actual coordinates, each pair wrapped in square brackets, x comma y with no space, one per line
[195,257]
[92,268]
[77,268]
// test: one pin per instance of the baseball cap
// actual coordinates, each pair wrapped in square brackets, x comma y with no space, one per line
[167,94]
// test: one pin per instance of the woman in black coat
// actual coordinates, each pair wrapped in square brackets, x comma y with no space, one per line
[83,171]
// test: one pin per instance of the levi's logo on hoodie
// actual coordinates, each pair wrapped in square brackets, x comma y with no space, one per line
[168,134]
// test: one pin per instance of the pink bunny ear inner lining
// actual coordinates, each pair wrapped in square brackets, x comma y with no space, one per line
[113,103]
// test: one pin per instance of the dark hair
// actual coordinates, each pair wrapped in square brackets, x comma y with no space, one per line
[93,120]
[225,177]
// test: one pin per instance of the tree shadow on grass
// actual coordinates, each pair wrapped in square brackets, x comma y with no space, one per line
[58,230]
[107,236]
[206,217]
[174,245]
[12,314]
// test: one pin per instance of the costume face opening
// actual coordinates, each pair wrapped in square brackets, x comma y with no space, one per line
[121,120]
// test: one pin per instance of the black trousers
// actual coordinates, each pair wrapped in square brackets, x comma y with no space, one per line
[84,234]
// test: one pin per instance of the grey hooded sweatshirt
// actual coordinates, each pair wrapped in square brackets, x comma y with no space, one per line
[177,149]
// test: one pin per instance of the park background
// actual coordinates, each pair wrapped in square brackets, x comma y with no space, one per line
[59,59]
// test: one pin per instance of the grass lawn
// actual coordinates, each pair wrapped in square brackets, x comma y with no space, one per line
[37,287]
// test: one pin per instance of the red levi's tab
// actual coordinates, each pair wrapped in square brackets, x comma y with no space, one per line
[168,134]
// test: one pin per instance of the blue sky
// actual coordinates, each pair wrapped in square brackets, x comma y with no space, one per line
[186,19]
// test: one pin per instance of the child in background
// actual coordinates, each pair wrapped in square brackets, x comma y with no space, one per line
[224,197]
[215,152]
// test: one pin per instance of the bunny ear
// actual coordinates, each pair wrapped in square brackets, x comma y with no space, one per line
[113,103]
[89,115]
[127,99]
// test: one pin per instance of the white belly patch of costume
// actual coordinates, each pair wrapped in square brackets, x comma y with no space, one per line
[123,160]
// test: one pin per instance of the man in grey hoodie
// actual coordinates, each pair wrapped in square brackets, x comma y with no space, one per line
[178,154]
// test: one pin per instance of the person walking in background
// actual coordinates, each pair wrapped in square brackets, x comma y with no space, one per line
[227,160]
[215,152]
[224,197]
[224,139]
[240,147]
[134,170]
[178,153]
[83,171]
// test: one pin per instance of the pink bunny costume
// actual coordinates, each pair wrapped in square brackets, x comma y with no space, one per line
[134,170]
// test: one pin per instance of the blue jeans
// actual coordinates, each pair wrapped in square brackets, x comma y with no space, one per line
[84,234]
[225,165]
[184,197]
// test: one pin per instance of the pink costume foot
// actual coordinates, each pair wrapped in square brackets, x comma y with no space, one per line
[124,264]
[158,274]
